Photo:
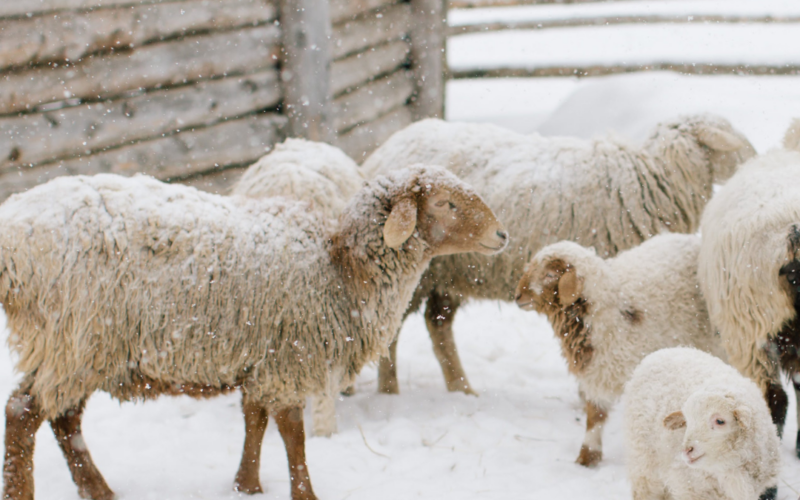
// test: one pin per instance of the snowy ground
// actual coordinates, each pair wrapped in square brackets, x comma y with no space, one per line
[518,439]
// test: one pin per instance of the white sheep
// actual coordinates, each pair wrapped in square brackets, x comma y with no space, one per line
[695,428]
[318,173]
[140,288]
[610,313]
[749,270]
[601,193]
[327,178]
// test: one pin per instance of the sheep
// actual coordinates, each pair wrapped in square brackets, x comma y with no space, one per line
[610,313]
[305,170]
[749,271]
[696,428]
[327,178]
[599,193]
[140,288]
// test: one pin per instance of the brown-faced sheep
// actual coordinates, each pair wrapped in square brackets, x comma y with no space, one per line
[140,288]
[749,270]
[600,193]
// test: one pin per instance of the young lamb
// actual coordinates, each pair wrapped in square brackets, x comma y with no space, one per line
[600,193]
[695,428]
[749,270]
[315,172]
[140,288]
[327,178]
[610,313]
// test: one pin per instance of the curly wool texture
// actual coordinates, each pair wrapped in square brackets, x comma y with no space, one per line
[108,281]
[749,462]
[298,169]
[746,229]
[638,302]
[600,193]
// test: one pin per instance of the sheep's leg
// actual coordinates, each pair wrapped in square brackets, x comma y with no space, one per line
[290,425]
[324,407]
[255,424]
[439,313]
[90,482]
[23,418]
[387,372]
[592,448]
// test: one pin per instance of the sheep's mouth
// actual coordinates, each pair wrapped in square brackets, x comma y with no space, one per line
[493,249]
[526,305]
[691,461]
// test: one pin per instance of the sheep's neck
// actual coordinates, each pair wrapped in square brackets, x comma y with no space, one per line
[570,327]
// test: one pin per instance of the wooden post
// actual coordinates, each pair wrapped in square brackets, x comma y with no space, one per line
[428,32]
[306,68]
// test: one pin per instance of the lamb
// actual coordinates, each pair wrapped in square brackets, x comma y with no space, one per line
[749,271]
[600,193]
[315,172]
[140,288]
[610,313]
[327,178]
[696,428]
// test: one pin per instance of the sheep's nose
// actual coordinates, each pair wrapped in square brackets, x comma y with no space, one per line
[503,235]
[689,449]
[519,296]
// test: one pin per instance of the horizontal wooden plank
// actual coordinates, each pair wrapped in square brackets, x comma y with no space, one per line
[614,20]
[349,73]
[347,10]
[183,155]
[372,29]
[217,181]
[70,36]
[470,4]
[161,64]
[587,71]
[42,137]
[372,100]
[18,8]
[362,140]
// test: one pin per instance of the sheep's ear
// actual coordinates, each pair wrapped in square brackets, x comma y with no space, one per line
[743,416]
[569,287]
[401,223]
[674,421]
[719,140]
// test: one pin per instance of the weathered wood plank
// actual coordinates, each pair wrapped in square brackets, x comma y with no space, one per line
[347,10]
[9,8]
[428,38]
[161,64]
[41,137]
[306,68]
[70,36]
[469,4]
[586,71]
[362,140]
[182,155]
[218,181]
[374,28]
[349,73]
[372,100]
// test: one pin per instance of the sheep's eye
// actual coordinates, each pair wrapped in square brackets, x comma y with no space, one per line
[720,421]
[441,203]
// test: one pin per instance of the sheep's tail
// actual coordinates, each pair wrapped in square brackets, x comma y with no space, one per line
[791,140]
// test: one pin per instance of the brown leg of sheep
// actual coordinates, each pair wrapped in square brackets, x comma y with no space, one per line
[290,425]
[23,419]
[592,448]
[256,418]
[439,313]
[387,372]
[90,482]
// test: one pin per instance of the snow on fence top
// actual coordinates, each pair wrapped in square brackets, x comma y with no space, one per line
[194,91]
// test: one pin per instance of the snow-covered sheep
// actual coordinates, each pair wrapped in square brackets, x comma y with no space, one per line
[140,288]
[749,270]
[327,178]
[315,172]
[610,313]
[696,428]
[601,193]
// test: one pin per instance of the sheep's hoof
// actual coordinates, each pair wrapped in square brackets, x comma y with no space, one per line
[247,486]
[460,385]
[327,431]
[589,458]
[96,493]
[350,391]
[769,494]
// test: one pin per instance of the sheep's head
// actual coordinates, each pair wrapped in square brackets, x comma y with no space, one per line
[552,280]
[715,424]
[445,212]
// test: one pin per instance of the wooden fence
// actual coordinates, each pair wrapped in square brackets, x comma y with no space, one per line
[196,90]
